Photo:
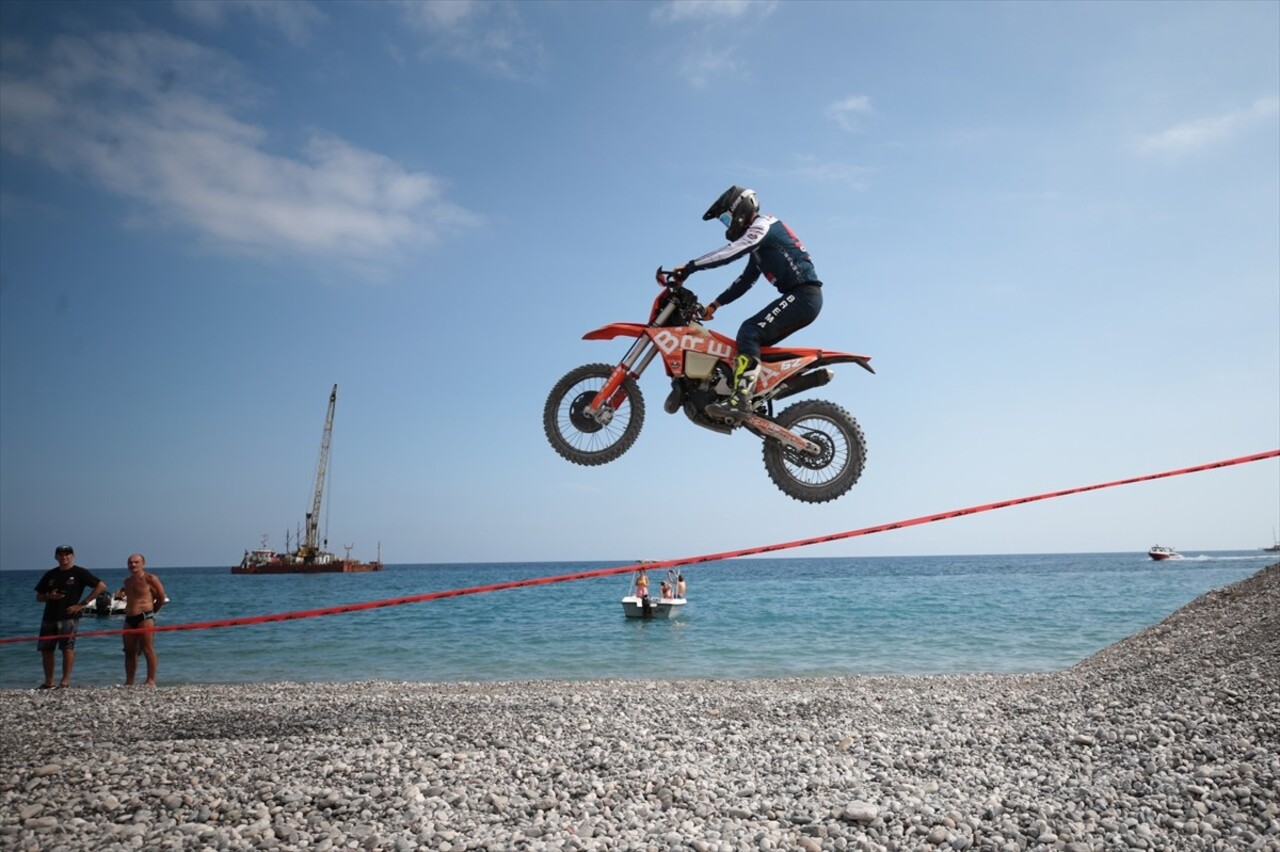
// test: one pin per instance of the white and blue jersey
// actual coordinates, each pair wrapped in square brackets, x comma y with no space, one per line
[775,251]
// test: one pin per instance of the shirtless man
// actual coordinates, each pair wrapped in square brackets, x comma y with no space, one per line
[144,595]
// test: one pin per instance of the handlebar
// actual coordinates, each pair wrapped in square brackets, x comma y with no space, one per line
[667,278]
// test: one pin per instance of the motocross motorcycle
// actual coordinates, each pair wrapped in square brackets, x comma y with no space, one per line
[814,451]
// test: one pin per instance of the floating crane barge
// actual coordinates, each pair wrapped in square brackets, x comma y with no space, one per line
[309,557]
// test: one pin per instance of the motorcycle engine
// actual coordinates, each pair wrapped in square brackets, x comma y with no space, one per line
[699,394]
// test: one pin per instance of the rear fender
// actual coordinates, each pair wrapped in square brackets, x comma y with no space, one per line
[778,365]
[815,357]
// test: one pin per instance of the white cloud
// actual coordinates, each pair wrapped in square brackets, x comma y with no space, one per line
[854,177]
[490,35]
[702,67]
[849,112]
[295,19]
[432,15]
[677,11]
[150,117]
[710,49]
[1198,134]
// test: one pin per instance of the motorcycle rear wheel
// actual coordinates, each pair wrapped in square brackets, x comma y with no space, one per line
[817,478]
[581,439]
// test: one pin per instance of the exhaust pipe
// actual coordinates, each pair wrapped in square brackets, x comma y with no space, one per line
[805,381]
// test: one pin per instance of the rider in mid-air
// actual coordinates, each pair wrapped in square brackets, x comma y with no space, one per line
[776,251]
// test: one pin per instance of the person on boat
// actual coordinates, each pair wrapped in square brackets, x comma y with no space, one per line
[665,588]
[776,251]
[59,590]
[642,584]
[680,587]
[144,595]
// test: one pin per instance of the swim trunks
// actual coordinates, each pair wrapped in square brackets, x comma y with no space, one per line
[136,620]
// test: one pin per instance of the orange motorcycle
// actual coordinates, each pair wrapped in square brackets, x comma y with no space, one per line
[814,451]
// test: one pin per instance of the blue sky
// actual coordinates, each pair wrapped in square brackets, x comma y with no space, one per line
[1054,226]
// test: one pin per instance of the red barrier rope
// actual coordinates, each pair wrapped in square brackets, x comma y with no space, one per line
[670,563]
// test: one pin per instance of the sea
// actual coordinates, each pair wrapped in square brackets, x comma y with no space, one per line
[745,618]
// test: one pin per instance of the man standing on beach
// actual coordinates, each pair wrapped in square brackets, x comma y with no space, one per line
[143,595]
[59,590]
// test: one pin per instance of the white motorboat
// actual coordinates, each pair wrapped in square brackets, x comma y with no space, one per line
[641,604]
[106,604]
[109,604]
[1160,553]
[650,607]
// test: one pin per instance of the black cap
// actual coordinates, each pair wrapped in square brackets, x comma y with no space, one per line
[64,548]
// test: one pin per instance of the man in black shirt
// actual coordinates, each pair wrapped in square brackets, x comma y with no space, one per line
[60,590]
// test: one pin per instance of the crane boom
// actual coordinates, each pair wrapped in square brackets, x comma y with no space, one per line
[310,547]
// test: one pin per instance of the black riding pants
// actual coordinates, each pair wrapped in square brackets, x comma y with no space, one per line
[789,313]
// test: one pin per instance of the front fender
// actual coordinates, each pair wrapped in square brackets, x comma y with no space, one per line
[616,329]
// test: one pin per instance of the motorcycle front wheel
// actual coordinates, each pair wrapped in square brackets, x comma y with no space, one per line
[817,478]
[589,440]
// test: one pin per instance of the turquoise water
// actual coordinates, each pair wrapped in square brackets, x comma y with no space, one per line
[745,619]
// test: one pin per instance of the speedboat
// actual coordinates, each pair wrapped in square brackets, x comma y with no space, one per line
[1160,553]
[109,604]
[106,604]
[641,604]
[651,607]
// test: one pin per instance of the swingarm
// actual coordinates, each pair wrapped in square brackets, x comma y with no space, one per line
[768,429]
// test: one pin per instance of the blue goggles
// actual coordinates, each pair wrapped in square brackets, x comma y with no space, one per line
[726,218]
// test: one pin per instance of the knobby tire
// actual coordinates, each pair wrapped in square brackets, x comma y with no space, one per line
[576,439]
[817,480]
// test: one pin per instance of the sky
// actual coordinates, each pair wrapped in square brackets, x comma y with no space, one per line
[1055,227]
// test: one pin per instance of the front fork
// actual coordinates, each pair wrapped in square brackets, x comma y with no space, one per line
[612,396]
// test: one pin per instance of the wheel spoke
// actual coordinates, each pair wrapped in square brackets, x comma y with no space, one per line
[585,437]
[602,436]
[828,473]
[820,469]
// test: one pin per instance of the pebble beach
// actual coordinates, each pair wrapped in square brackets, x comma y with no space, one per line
[1167,740]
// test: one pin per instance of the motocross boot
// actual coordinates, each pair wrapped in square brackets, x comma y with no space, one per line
[738,408]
